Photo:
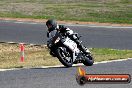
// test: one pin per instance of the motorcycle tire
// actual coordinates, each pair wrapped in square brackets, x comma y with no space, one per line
[62,58]
[89,60]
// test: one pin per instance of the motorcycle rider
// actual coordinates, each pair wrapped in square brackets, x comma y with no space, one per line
[53,32]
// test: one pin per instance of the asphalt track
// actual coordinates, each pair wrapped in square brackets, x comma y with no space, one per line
[63,77]
[92,36]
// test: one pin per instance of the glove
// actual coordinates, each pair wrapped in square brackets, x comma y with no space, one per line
[49,44]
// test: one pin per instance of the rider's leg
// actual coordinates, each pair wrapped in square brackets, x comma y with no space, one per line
[81,47]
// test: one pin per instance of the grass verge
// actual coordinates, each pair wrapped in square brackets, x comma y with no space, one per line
[112,11]
[39,56]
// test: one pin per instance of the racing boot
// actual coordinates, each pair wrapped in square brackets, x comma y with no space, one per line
[84,50]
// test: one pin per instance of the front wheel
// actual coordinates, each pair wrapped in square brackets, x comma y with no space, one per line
[89,60]
[65,57]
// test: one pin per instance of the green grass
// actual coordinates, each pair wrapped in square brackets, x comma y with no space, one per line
[39,56]
[104,54]
[112,11]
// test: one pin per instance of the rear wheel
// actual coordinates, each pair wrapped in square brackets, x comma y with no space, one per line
[89,60]
[65,57]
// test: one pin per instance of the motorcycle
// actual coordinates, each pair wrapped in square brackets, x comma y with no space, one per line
[68,53]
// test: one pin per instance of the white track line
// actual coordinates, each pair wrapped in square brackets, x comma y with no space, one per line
[80,25]
[26,22]
[57,66]
[86,25]
[95,26]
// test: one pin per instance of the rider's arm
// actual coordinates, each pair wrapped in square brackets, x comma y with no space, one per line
[53,35]
[72,35]
[65,30]
[69,31]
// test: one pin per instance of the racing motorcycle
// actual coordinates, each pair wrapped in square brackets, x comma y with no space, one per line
[68,53]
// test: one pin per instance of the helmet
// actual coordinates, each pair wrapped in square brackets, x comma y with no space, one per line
[51,22]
